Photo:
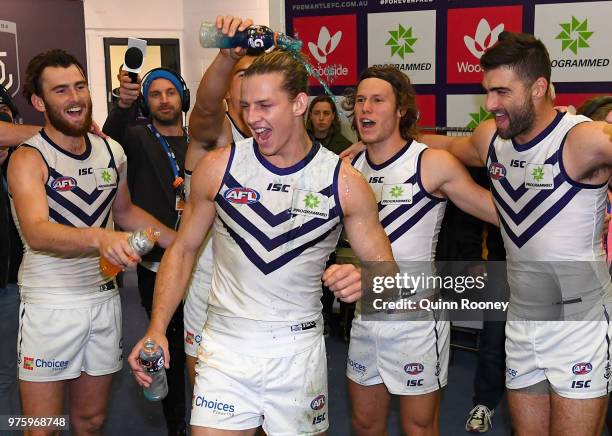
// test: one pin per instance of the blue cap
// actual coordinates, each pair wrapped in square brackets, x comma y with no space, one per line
[161,74]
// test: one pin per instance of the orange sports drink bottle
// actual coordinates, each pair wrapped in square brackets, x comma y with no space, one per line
[141,241]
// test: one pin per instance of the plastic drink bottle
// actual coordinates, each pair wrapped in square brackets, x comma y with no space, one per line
[256,39]
[141,241]
[152,359]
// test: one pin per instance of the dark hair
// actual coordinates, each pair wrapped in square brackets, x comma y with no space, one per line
[289,64]
[596,108]
[51,58]
[521,52]
[404,97]
[335,125]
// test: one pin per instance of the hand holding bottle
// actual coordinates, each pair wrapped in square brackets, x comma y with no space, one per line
[225,28]
[120,250]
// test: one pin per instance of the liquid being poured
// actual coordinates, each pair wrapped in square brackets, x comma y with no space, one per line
[294,46]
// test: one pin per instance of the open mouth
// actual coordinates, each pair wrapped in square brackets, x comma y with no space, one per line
[75,112]
[261,134]
[366,123]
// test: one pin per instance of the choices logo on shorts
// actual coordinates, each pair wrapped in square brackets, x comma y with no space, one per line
[356,366]
[215,406]
[189,338]
[28,363]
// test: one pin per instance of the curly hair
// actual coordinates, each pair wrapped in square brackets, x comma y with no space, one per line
[51,58]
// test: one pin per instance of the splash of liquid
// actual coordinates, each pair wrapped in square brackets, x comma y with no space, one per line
[294,46]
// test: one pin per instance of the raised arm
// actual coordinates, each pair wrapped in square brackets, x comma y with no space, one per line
[177,263]
[207,122]
[12,135]
[441,171]
[587,155]
[123,114]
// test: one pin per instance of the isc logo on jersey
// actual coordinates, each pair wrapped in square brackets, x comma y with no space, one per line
[64,184]
[241,196]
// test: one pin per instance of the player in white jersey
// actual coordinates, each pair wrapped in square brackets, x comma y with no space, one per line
[215,121]
[67,187]
[549,173]
[411,183]
[277,202]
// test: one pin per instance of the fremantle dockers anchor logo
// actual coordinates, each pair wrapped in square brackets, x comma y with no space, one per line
[9,57]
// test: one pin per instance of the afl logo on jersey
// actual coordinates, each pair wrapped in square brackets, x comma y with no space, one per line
[497,171]
[64,184]
[241,195]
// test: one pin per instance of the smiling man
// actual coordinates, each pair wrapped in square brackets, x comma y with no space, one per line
[549,173]
[262,358]
[67,187]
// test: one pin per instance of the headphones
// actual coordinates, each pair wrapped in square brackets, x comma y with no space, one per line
[595,104]
[172,76]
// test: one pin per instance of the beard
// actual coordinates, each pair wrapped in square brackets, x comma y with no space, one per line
[65,126]
[519,120]
[171,119]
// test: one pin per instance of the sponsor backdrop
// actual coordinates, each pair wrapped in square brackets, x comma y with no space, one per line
[56,23]
[438,44]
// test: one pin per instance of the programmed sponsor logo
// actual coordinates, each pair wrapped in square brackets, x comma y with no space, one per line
[331,45]
[241,196]
[413,368]
[405,40]
[497,171]
[577,39]
[318,402]
[64,183]
[471,31]
[215,406]
[582,368]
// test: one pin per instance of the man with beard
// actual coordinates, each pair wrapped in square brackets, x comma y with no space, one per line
[67,187]
[549,173]
[156,158]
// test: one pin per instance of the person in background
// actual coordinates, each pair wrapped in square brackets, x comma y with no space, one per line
[156,164]
[600,109]
[323,124]
[10,258]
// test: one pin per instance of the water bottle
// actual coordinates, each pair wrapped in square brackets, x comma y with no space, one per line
[256,39]
[152,360]
[141,241]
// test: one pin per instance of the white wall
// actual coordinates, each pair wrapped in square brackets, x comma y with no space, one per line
[195,11]
[163,19]
[121,19]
